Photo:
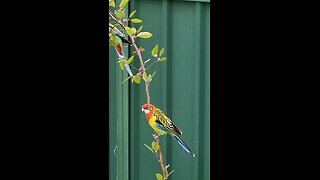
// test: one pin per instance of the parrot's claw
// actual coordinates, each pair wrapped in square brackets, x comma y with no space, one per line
[155,136]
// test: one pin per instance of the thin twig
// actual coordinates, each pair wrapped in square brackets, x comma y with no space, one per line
[142,65]
[133,67]
[164,169]
[152,64]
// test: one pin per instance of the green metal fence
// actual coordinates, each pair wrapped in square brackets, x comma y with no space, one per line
[181,88]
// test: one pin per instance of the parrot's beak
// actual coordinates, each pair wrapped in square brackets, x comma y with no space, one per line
[142,109]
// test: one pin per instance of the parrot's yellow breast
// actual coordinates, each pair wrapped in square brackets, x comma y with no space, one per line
[152,123]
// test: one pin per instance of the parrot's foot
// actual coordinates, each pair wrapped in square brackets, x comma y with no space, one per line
[155,136]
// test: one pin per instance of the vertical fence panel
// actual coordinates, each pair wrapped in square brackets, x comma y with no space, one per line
[180,88]
[143,165]
[112,117]
[119,121]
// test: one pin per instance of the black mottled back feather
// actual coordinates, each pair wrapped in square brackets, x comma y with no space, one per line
[165,123]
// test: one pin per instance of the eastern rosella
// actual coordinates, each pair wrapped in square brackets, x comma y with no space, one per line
[117,39]
[163,125]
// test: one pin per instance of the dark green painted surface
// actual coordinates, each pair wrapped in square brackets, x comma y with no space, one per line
[180,88]
[119,122]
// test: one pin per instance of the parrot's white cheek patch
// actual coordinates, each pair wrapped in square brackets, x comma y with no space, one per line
[146,111]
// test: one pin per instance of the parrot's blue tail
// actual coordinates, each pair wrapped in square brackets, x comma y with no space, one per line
[128,69]
[183,144]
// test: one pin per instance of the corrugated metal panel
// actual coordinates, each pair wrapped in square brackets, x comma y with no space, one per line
[181,88]
[118,121]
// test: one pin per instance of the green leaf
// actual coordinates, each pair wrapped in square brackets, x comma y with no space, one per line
[159,176]
[144,76]
[153,74]
[121,63]
[155,146]
[111,3]
[126,79]
[140,28]
[134,30]
[136,20]
[130,59]
[123,3]
[144,35]
[119,16]
[150,77]
[149,148]
[137,79]
[112,39]
[120,13]
[161,52]
[129,30]
[154,51]
[132,13]
[163,59]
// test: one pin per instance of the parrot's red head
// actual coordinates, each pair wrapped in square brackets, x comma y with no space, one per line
[147,109]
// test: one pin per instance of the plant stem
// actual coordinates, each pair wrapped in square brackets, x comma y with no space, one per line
[133,67]
[143,69]
[152,64]
[164,170]
[142,66]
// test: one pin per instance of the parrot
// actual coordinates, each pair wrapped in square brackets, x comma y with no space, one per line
[117,39]
[114,30]
[163,125]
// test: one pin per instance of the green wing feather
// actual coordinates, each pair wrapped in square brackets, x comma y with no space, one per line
[164,123]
